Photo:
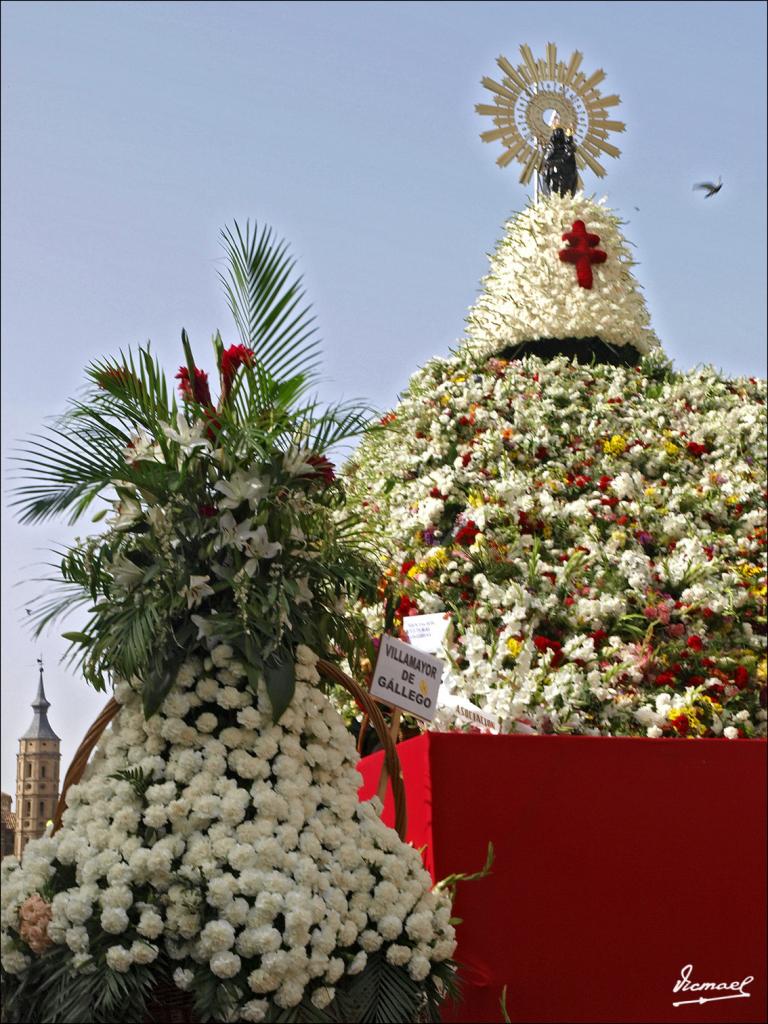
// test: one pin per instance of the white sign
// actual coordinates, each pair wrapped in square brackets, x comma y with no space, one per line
[428,632]
[468,712]
[407,678]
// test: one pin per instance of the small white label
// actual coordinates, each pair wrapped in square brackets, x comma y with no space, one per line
[407,678]
[465,711]
[428,632]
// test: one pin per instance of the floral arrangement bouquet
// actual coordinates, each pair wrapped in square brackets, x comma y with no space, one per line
[596,532]
[215,842]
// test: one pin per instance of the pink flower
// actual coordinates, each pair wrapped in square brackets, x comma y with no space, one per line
[35,914]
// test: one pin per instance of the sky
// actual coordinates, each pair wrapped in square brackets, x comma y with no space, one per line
[133,132]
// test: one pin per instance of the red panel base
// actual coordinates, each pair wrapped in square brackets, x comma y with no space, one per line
[618,863]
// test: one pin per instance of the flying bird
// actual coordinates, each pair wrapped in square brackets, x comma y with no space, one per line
[711,188]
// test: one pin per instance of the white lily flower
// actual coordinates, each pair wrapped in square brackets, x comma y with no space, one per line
[127,512]
[242,487]
[295,462]
[142,448]
[125,573]
[260,545]
[205,627]
[196,590]
[188,437]
[234,534]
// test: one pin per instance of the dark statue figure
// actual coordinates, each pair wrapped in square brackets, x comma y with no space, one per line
[560,174]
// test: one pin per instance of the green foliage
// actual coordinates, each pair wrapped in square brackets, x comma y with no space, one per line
[51,992]
[165,473]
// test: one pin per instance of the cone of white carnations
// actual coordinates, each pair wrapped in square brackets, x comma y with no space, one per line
[596,531]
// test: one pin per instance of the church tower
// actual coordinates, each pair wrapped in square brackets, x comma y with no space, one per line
[37,773]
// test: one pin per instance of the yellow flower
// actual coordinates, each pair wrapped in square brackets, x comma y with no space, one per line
[475,499]
[746,570]
[514,646]
[732,499]
[649,492]
[762,670]
[616,446]
[671,449]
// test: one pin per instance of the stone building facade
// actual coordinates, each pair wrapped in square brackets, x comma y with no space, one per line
[7,825]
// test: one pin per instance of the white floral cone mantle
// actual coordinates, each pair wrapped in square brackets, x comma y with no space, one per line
[259,860]
[532,292]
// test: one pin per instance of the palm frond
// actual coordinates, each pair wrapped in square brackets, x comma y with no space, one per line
[266,302]
[67,466]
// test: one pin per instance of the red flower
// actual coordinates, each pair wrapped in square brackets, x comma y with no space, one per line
[232,359]
[405,606]
[322,467]
[681,724]
[544,644]
[696,450]
[214,425]
[207,511]
[199,392]
[390,417]
[665,679]
[695,643]
[467,534]
[604,482]
[599,637]
[409,564]
[741,677]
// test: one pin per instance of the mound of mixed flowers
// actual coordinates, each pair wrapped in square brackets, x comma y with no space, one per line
[598,533]
[215,842]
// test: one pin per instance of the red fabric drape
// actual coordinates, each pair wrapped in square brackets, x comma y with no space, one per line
[619,861]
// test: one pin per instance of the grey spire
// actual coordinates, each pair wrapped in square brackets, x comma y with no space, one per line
[40,729]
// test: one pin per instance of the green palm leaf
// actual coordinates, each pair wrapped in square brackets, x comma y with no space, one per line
[266,303]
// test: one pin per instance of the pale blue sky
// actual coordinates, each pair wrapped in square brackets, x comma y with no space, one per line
[133,132]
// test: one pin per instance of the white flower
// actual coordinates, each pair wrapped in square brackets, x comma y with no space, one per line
[225,964]
[150,924]
[144,952]
[260,546]
[242,487]
[730,733]
[125,572]
[119,959]
[188,437]
[114,920]
[196,590]
[183,979]
[295,462]
[127,513]
[217,936]
[254,1010]
[143,448]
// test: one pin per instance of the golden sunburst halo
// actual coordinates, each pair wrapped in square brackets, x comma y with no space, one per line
[527,92]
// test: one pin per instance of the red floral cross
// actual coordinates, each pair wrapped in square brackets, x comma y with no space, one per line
[581,251]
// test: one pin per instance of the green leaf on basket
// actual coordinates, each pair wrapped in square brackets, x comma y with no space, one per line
[78,638]
[158,680]
[280,677]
